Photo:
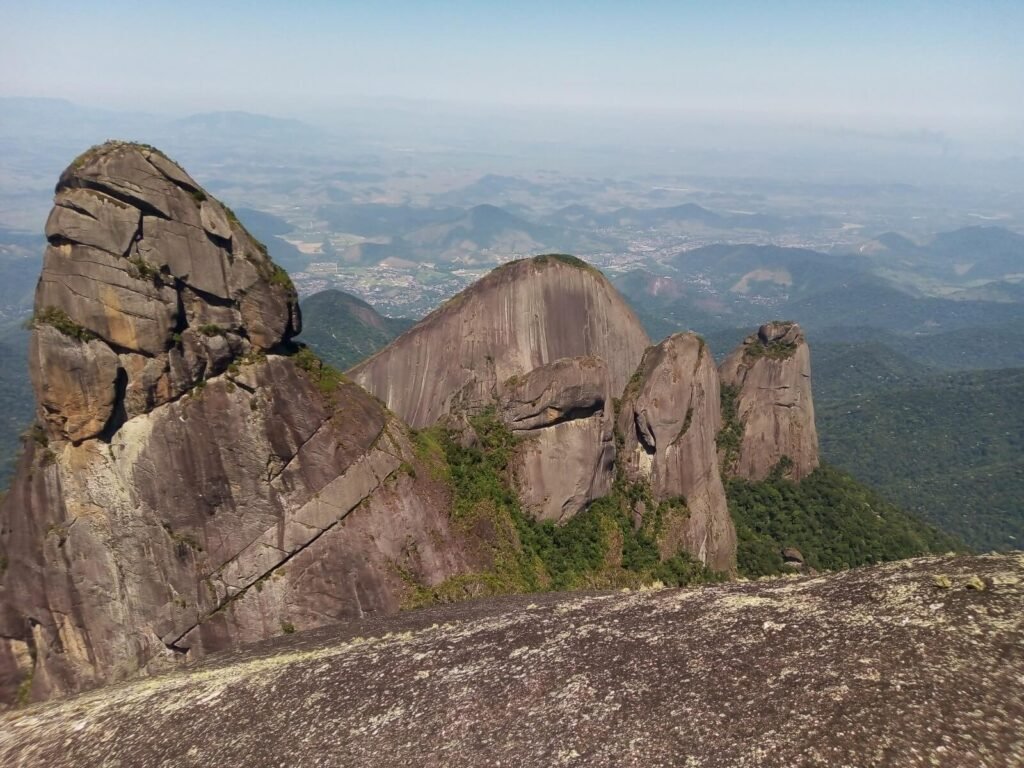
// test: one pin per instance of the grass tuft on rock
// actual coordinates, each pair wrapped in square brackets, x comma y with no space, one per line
[58,318]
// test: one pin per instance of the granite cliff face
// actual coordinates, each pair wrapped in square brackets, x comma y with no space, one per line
[669,419]
[194,481]
[769,377]
[546,341]
[521,316]
[562,415]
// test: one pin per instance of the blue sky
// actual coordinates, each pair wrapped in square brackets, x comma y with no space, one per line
[894,64]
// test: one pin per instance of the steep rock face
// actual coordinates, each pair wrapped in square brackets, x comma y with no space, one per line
[521,316]
[770,377]
[194,482]
[562,413]
[144,265]
[669,418]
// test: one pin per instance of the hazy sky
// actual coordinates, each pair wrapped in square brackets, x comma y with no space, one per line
[888,64]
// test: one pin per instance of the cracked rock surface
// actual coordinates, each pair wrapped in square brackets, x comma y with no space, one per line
[188,486]
[872,667]
[771,373]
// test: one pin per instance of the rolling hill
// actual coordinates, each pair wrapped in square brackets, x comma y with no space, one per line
[344,330]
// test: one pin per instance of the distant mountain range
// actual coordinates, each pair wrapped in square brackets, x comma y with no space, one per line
[688,214]
[721,286]
[963,256]
[483,234]
[76,125]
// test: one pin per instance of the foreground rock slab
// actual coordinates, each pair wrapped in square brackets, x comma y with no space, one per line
[907,664]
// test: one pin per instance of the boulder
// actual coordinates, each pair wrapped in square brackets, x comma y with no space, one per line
[792,556]
[562,415]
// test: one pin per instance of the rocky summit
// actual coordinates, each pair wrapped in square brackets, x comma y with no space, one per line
[198,480]
[189,481]
[915,663]
[522,315]
[769,387]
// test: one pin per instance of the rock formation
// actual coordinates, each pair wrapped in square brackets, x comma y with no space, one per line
[891,665]
[562,415]
[164,279]
[669,418]
[769,380]
[548,341]
[194,481]
[521,316]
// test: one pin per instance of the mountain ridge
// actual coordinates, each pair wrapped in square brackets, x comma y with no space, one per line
[198,480]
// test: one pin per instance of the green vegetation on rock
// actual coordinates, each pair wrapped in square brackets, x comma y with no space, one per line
[564,258]
[773,350]
[327,378]
[832,519]
[598,548]
[731,434]
[58,318]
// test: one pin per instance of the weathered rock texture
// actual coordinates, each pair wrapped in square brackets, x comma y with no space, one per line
[771,377]
[192,484]
[521,316]
[562,414]
[872,667]
[546,341]
[164,279]
[669,419]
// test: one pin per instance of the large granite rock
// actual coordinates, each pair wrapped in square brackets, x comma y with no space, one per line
[75,382]
[669,419]
[521,316]
[872,667]
[770,380]
[194,482]
[562,415]
[141,259]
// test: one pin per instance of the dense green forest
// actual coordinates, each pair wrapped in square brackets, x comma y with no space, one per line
[949,447]
[16,396]
[832,519]
[344,330]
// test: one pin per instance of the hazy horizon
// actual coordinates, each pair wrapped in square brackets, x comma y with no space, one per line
[896,69]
